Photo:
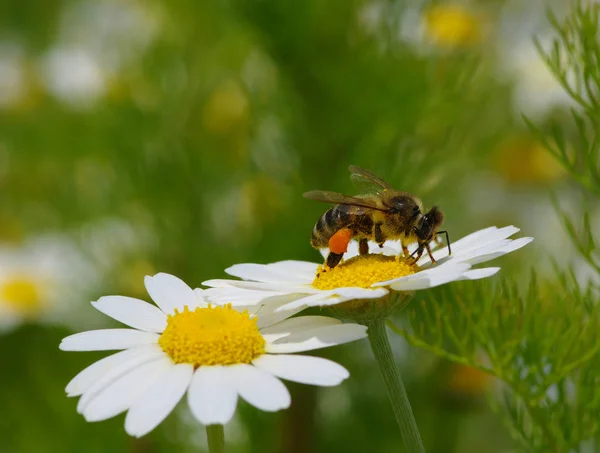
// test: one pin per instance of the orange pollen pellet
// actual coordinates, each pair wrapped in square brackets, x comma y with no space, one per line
[338,243]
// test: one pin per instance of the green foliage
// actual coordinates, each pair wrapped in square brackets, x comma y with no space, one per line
[574,59]
[543,346]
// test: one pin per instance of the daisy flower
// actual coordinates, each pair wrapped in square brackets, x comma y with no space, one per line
[40,281]
[363,277]
[215,354]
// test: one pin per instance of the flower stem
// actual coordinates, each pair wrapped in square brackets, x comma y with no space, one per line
[216,438]
[395,388]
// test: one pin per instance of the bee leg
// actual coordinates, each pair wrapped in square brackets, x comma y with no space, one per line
[363,246]
[417,252]
[405,249]
[430,255]
[378,234]
[333,259]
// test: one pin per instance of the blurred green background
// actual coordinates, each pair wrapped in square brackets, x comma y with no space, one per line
[144,136]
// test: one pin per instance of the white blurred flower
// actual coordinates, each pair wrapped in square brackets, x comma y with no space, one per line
[74,76]
[116,32]
[537,90]
[42,281]
[95,41]
[215,354]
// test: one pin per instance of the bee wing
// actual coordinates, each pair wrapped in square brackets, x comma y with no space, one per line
[367,181]
[338,198]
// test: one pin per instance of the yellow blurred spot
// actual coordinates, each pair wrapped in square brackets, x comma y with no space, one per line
[21,293]
[467,381]
[362,271]
[524,159]
[226,108]
[212,336]
[452,25]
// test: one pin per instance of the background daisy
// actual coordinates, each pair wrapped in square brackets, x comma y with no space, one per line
[43,280]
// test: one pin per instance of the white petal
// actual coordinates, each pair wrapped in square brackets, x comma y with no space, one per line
[201,297]
[482,249]
[303,369]
[448,266]
[500,251]
[361,293]
[132,312]
[107,339]
[170,292]
[120,394]
[484,236]
[268,273]
[466,245]
[115,373]
[276,317]
[264,286]
[433,277]
[88,376]
[326,298]
[476,274]
[267,313]
[323,298]
[259,388]
[303,269]
[238,296]
[293,325]
[317,338]
[157,402]
[212,397]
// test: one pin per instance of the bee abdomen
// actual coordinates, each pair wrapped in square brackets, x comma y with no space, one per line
[328,224]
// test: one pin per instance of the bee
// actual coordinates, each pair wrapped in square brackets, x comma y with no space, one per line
[385,213]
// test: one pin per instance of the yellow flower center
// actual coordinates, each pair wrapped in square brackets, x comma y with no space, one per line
[212,336]
[362,271]
[22,293]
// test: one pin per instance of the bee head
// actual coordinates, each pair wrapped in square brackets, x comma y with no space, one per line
[428,224]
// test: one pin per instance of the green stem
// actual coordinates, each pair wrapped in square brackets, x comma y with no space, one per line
[395,388]
[216,438]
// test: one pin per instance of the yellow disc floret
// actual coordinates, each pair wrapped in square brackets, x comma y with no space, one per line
[212,336]
[23,294]
[362,271]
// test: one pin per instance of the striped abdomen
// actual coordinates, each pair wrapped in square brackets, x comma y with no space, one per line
[335,219]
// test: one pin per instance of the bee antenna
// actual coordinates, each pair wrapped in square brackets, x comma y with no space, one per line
[447,240]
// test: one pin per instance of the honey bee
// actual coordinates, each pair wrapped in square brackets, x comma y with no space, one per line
[385,213]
